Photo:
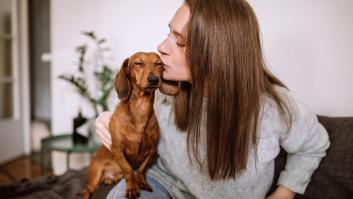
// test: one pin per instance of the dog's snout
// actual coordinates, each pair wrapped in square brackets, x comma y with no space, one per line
[152,80]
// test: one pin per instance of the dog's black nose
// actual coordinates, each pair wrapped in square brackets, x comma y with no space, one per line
[152,80]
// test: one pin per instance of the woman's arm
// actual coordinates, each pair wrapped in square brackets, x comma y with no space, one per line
[306,144]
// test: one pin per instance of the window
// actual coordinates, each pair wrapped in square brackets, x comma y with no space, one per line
[7,59]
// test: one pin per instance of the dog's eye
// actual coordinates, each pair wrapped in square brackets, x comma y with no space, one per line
[138,63]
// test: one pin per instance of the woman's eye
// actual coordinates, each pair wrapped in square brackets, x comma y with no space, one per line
[180,44]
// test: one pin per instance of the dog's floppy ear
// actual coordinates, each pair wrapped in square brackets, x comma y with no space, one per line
[122,83]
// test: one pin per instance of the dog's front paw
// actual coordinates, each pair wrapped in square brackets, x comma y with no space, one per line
[145,187]
[142,183]
[86,194]
[132,190]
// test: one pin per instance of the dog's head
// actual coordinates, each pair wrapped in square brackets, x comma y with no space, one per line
[140,71]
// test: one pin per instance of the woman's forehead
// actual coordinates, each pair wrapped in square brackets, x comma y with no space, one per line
[180,19]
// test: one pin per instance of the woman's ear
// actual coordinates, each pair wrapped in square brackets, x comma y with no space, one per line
[122,83]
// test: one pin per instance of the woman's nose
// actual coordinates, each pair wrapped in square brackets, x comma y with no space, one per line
[162,47]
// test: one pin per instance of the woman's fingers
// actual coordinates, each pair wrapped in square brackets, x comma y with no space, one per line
[107,143]
[102,129]
[104,136]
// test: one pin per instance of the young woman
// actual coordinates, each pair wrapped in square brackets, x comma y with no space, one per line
[228,116]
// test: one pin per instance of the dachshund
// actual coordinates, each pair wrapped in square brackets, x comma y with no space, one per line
[133,128]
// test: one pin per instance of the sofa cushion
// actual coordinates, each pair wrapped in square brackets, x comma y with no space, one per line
[334,176]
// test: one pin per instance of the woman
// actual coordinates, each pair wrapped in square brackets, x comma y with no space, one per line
[229,115]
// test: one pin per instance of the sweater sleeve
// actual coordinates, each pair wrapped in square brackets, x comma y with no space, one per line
[306,144]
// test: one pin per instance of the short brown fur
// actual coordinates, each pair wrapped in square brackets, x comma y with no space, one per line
[133,127]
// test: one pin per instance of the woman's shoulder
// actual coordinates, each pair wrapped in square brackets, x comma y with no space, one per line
[299,108]
[272,123]
[301,114]
[296,107]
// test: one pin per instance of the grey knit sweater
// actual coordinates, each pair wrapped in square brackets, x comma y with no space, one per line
[305,143]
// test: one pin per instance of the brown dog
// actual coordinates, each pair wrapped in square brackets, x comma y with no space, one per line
[133,127]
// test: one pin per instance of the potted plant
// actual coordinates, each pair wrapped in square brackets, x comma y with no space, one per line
[103,74]
[103,81]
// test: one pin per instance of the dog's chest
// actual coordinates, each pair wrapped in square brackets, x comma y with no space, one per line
[136,151]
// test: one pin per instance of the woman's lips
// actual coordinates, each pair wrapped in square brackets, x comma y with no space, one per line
[165,67]
[163,64]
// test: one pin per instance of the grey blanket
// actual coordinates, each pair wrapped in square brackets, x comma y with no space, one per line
[66,186]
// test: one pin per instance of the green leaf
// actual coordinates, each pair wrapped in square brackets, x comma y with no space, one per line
[104,77]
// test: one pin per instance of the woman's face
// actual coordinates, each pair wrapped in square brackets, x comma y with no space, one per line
[172,49]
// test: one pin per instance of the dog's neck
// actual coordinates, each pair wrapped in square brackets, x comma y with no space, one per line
[141,107]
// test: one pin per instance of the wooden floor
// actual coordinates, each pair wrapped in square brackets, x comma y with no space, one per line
[19,168]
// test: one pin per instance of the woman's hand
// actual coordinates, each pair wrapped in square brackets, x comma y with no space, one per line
[169,87]
[282,193]
[102,129]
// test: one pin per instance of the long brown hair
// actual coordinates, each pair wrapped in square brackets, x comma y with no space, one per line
[223,51]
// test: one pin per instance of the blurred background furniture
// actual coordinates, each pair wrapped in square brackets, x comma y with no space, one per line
[64,143]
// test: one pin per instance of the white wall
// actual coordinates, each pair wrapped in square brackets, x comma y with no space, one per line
[307,44]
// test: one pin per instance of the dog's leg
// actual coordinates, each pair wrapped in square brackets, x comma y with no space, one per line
[140,173]
[94,173]
[132,188]
[111,177]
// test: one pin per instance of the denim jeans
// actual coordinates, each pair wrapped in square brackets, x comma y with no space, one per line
[159,192]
